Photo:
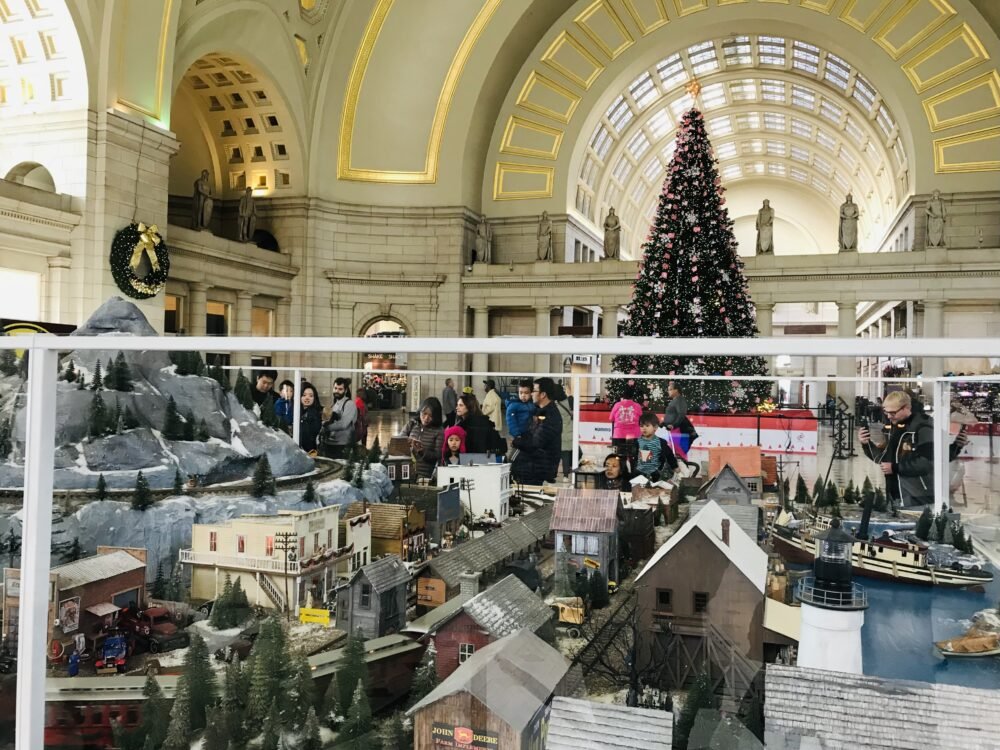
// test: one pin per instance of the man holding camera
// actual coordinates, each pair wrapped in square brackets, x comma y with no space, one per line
[905,451]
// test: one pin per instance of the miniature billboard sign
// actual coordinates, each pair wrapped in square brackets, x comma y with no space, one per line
[448,735]
[592,564]
[317,616]
[431,592]
[69,614]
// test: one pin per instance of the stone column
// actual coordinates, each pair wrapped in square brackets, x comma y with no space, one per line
[481,330]
[847,366]
[195,324]
[765,321]
[609,330]
[283,328]
[57,290]
[244,308]
[543,322]
[933,329]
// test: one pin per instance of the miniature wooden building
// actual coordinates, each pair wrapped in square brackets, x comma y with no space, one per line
[374,600]
[745,461]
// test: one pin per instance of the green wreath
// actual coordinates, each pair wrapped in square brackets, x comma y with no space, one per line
[128,248]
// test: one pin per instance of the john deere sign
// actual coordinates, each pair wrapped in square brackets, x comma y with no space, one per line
[448,735]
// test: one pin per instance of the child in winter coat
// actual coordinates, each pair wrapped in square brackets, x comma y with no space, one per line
[520,410]
[454,446]
[656,458]
[284,407]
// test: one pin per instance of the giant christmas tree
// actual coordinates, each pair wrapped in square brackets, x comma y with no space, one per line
[691,285]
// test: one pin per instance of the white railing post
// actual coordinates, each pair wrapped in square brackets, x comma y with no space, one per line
[942,443]
[575,460]
[36,545]
[297,405]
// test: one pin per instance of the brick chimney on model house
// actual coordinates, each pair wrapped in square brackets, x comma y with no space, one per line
[725,531]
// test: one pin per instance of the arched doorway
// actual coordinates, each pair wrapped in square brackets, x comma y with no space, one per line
[385,389]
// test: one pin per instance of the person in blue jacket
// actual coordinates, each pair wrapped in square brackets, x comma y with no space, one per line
[521,411]
[284,407]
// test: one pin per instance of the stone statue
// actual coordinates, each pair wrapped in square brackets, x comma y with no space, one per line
[848,234]
[248,216]
[765,229]
[201,208]
[484,242]
[545,237]
[612,236]
[936,216]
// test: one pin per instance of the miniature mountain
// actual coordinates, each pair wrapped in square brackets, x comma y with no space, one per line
[232,436]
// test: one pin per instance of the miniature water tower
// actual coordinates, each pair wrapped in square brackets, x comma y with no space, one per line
[833,606]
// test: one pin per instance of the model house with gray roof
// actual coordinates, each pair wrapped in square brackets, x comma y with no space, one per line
[374,599]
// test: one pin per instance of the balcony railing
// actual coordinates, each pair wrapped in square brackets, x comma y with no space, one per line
[809,593]
[240,562]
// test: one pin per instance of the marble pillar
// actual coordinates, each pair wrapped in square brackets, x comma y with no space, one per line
[543,323]
[933,329]
[847,366]
[609,330]
[244,315]
[195,321]
[283,328]
[481,330]
[57,290]
[765,326]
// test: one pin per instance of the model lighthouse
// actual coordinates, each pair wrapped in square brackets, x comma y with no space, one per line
[833,606]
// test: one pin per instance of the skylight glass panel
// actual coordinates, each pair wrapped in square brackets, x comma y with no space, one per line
[772,91]
[798,174]
[756,146]
[732,171]
[872,153]
[743,90]
[884,120]
[659,124]
[771,50]
[830,111]
[826,140]
[671,71]
[737,51]
[622,169]
[643,91]
[601,141]
[897,150]
[864,92]
[588,171]
[720,126]
[847,159]
[777,148]
[773,121]
[638,190]
[805,57]
[653,170]
[837,71]
[613,193]
[853,130]
[822,165]
[703,58]
[681,106]
[820,185]
[801,128]
[668,151]
[777,170]
[713,96]
[756,168]
[748,121]
[726,150]
[841,181]
[638,145]
[803,97]
[800,154]
[620,114]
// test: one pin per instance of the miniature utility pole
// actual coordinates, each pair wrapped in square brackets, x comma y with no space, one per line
[285,543]
[468,485]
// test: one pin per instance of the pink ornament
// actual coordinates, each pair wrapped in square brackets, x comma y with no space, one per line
[728,372]
[697,229]
[694,278]
[631,382]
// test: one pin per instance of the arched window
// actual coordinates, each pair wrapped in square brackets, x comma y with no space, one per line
[32,174]
[384,390]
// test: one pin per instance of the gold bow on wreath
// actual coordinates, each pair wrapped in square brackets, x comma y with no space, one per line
[149,238]
[767,406]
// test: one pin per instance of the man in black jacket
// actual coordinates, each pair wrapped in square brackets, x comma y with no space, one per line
[539,448]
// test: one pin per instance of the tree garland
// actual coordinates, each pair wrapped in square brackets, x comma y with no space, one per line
[127,250]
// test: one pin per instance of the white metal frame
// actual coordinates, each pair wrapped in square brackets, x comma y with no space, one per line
[41,406]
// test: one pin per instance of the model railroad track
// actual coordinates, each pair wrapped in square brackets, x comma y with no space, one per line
[327,469]
[615,620]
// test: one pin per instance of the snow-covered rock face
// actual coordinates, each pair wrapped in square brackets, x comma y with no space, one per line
[238,438]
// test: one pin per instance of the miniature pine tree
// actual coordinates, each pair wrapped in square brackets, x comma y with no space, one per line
[8,362]
[102,488]
[5,442]
[331,708]
[701,695]
[375,452]
[948,536]
[109,375]
[849,493]
[216,737]
[923,529]
[97,380]
[867,492]
[880,503]
[359,476]
[598,590]
[122,374]
[81,384]
[173,427]
[178,488]
[311,739]
[309,494]
[239,604]
[801,491]
[202,435]
[353,670]
[202,688]
[935,533]
[258,695]
[221,610]
[298,695]
[263,479]
[97,418]
[75,551]
[178,735]
[221,377]
[159,583]
[272,729]
[359,716]
[242,391]
[940,522]
[155,712]
[831,496]
[393,734]
[129,422]
[69,375]
[118,420]
[175,586]
[233,702]
[817,493]
[267,416]
[691,283]
[142,497]
[189,426]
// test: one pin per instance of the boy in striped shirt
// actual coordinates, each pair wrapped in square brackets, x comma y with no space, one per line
[656,459]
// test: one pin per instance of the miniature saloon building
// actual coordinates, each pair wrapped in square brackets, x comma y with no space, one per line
[396,529]
[498,698]
[585,527]
[709,576]
[504,608]
[249,548]
[442,509]
[374,600]
[485,488]
[84,596]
